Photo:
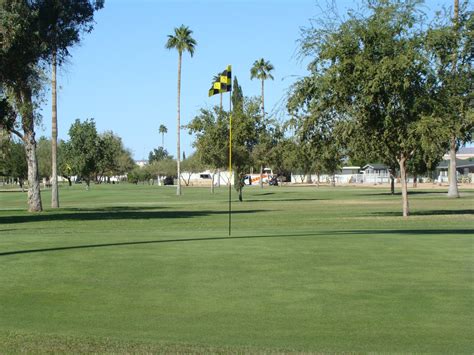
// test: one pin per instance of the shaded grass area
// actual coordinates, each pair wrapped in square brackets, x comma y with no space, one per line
[137,269]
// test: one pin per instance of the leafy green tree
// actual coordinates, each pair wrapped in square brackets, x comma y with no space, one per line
[111,149]
[44,158]
[162,130]
[125,162]
[84,149]
[61,23]
[65,161]
[211,128]
[449,46]
[34,34]
[182,41]
[20,53]
[211,138]
[191,165]
[162,168]
[139,174]
[372,69]
[280,156]
[158,154]
[14,163]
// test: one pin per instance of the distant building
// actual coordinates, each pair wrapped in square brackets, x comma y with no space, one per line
[350,170]
[141,163]
[375,169]
[462,153]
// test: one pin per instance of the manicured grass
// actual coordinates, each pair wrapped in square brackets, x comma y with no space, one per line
[127,268]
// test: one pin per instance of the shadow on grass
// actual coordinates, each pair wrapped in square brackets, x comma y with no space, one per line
[425,213]
[398,193]
[330,234]
[283,199]
[113,214]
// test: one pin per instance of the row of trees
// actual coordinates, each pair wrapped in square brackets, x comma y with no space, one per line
[35,37]
[87,154]
[382,84]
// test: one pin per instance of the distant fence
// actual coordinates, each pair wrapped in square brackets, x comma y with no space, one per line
[343,178]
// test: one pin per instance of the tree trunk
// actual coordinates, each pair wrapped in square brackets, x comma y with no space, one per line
[261,176]
[212,181]
[221,101]
[403,179]
[34,192]
[240,192]
[54,139]
[163,140]
[392,171]
[415,181]
[453,181]
[24,100]
[178,155]
[263,99]
[333,181]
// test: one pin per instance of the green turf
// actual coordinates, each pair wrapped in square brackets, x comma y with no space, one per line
[127,268]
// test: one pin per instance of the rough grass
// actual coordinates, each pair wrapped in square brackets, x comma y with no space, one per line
[127,268]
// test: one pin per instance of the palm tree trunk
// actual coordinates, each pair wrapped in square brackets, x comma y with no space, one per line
[403,179]
[221,101]
[54,139]
[263,116]
[453,181]
[163,139]
[178,187]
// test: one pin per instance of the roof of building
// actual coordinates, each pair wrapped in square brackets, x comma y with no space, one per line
[466,150]
[375,166]
[460,163]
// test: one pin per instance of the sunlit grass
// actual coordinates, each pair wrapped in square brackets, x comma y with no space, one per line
[128,268]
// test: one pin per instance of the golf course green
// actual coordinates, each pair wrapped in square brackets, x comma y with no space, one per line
[135,268]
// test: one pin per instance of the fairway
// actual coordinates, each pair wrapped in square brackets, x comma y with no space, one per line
[136,268]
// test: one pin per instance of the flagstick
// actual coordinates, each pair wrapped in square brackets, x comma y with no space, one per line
[230,163]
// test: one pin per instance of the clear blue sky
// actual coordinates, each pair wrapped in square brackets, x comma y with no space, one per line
[122,76]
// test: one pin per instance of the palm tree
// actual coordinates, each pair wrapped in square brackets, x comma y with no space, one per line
[54,136]
[453,183]
[162,130]
[261,69]
[182,41]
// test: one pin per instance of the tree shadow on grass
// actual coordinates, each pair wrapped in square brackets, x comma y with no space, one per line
[330,234]
[425,213]
[283,199]
[398,193]
[113,214]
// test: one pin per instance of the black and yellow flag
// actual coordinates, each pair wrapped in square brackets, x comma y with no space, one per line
[223,84]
